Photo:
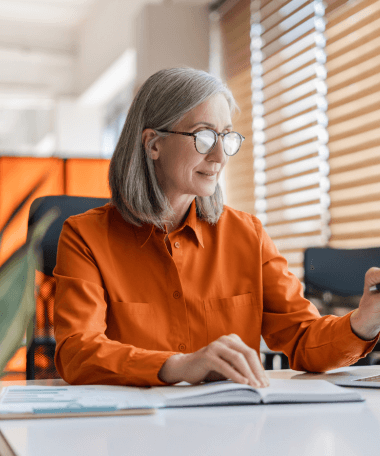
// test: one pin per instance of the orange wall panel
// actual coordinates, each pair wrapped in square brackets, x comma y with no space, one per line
[18,362]
[18,175]
[87,177]
[76,177]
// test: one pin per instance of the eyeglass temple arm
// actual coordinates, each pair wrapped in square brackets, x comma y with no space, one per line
[177,132]
[193,134]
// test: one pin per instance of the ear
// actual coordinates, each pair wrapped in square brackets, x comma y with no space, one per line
[147,135]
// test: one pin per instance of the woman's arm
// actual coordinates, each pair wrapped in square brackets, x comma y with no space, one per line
[84,354]
[293,325]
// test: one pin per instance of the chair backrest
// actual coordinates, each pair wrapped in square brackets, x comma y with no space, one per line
[68,206]
[40,355]
[338,273]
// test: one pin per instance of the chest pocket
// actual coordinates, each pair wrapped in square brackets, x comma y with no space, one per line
[239,315]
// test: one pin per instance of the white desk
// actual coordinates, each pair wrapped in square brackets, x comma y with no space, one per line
[346,429]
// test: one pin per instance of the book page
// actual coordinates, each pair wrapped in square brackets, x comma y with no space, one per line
[306,391]
[184,390]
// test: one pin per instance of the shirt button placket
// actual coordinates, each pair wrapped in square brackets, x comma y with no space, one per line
[176,295]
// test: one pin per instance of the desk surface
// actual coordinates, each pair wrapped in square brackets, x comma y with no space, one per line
[345,429]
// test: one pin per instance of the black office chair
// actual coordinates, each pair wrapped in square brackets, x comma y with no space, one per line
[334,279]
[40,355]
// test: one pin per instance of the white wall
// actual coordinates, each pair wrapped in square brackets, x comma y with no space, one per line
[78,129]
[172,35]
[107,33]
[163,35]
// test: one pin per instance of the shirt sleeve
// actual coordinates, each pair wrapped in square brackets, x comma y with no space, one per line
[293,325]
[84,354]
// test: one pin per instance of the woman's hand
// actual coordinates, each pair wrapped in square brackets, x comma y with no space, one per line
[365,321]
[226,357]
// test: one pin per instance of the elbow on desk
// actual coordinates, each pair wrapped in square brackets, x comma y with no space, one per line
[78,365]
[312,361]
[77,368]
[87,374]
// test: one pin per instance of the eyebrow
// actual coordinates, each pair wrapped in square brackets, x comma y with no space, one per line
[209,125]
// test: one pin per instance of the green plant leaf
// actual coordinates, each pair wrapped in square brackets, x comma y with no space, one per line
[17,284]
[22,204]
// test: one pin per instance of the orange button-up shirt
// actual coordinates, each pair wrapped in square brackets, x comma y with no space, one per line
[124,303]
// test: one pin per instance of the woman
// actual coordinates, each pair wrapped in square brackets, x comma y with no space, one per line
[165,284]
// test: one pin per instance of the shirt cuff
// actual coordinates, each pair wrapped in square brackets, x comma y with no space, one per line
[143,367]
[365,345]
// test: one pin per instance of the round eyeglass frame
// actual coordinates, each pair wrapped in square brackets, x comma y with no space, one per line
[216,135]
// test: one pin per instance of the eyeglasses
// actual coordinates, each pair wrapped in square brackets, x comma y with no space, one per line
[205,140]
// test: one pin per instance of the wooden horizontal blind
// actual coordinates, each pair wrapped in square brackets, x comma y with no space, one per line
[235,32]
[290,136]
[353,79]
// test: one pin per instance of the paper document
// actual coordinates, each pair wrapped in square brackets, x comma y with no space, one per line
[56,399]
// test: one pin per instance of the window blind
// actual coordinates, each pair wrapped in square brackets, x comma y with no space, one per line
[290,124]
[235,32]
[353,67]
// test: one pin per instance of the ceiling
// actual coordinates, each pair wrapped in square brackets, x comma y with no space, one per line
[52,12]
[38,47]
[39,42]
[48,49]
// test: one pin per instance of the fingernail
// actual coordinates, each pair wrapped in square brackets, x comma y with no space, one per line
[264,382]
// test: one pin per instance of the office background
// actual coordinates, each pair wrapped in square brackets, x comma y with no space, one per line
[305,74]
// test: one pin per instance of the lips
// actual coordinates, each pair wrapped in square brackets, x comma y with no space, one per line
[207,174]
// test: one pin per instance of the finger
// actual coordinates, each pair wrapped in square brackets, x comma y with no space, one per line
[256,366]
[234,341]
[239,362]
[228,371]
[372,277]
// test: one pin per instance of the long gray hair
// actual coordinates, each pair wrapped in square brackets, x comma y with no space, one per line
[161,102]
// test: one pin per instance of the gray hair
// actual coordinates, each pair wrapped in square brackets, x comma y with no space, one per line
[161,102]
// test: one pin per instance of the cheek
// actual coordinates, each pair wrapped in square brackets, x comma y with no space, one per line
[189,165]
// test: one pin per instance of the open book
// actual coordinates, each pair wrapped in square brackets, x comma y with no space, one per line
[90,400]
[230,393]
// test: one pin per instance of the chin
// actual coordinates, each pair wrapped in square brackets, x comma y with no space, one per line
[206,193]
[205,189]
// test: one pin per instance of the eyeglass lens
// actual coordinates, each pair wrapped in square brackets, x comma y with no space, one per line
[206,139]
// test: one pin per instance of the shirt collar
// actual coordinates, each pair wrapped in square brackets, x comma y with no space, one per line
[144,232]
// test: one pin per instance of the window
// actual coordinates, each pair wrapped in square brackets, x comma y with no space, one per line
[311,169]
[235,31]
[353,68]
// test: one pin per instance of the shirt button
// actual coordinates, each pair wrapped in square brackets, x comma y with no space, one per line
[182,347]
[176,294]
[176,245]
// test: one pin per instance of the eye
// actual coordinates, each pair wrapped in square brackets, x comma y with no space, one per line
[201,129]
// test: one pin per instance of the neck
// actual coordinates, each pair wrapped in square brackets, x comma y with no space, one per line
[181,210]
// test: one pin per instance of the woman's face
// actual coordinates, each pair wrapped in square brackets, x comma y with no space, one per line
[180,169]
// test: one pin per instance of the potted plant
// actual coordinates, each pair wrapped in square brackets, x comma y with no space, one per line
[17,284]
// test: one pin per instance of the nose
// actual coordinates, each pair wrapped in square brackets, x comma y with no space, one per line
[217,154]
